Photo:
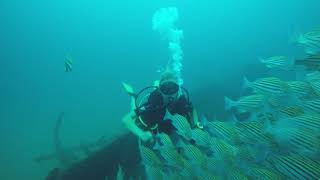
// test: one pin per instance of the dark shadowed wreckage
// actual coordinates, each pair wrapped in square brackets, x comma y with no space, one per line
[101,161]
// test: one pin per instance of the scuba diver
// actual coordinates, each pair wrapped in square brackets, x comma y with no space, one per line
[151,105]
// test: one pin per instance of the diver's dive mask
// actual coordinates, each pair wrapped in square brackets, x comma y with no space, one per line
[170,91]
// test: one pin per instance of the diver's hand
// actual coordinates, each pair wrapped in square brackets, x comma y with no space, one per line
[199,125]
[146,136]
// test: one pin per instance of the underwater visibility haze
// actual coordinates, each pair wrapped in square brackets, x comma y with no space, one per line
[251,69]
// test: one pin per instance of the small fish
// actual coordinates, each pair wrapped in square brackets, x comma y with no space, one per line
[250,103]
[253,132]
[310,41]
[236,174]
[195,155]
[180,123]
[165,140]
[213,164]
[149,158]
[246,154]
[223,150]
[278,102]
[207,175]
[262,173]
[187,171]
[201,137]
[299,140]
[310,106]
[291,111]
[295,166]
[172,157]
[278,62]
[311,62]
[267,86]
[68,64]
[313,76]
[172,176]
[224,130]
[316,87]
[305,121]
[299,88]
[264,117]
[154,173]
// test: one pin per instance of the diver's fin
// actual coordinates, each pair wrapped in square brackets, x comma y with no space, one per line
[128,88]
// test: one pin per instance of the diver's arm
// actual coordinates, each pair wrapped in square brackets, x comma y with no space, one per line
[129,121]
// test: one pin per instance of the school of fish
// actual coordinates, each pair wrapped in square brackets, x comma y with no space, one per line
[279,140]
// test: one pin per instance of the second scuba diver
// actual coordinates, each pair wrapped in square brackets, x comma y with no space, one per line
[149,115]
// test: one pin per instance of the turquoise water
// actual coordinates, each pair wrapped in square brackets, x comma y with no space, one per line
[112,42]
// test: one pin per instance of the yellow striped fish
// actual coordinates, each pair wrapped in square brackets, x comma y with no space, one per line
[299,88]
[311,62]
[172,157]
[224,130]
[165,140]
[195,155]
[291,111]
[266,117]
[201,137]
[250,103]
[223,150]
[207,175]
[180,123]
[278,62]
[313,76]
[235,174]
[316,86]
[306,121]
[275,102]
[267,86]
[149,157]
[310,41]
[294,166]
[310,106]
[315,33]
[187,170]
[172,176]
[246,154]
[213,164]
[302,140]
[154,173]
[262,174]
[254,132]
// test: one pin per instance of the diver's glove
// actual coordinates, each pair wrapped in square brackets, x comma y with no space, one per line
[146,136]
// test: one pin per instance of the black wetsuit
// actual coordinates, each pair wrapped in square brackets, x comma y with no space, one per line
[155,111]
